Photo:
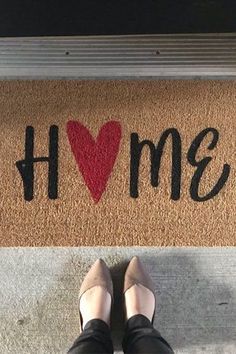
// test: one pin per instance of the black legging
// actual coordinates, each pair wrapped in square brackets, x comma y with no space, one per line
[140,338]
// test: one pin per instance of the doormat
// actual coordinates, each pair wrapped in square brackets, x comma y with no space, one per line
[123,163]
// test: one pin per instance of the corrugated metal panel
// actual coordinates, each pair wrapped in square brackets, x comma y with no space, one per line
[201,55]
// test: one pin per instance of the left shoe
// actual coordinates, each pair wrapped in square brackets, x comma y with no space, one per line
[98,275]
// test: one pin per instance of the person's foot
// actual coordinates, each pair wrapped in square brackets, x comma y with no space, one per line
[96,294]
[95,303]
[139,301]
[138,291]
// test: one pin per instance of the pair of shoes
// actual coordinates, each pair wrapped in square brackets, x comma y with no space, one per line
[137,282]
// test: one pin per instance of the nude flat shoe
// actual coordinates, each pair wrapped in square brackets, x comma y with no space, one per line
[98,275]
[136,274]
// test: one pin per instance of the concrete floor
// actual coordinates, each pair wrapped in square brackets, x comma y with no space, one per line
[196,292]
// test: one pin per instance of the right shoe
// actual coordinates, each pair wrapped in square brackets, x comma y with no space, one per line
[136,274]
[98,275]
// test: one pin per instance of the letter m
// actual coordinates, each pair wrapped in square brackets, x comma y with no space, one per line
[156,153]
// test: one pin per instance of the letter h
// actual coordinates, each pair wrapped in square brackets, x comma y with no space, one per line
[26,166]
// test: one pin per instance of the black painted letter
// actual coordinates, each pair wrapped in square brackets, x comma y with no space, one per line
[202,164]
[26,166]
[155,157]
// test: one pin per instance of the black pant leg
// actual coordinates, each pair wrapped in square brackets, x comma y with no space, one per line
[141,338]
[95,339]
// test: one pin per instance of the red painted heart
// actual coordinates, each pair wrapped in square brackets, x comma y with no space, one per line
[95,158]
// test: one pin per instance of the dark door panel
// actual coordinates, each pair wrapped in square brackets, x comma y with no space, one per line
[114,17]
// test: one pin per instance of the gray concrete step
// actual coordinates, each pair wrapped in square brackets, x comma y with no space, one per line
[196,295]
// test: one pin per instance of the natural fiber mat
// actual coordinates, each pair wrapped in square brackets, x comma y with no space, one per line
[117,163]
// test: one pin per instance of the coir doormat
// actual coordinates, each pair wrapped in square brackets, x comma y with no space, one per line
[117,163]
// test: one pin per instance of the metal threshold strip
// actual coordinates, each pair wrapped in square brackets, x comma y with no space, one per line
[119,57]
